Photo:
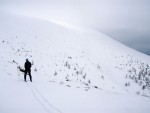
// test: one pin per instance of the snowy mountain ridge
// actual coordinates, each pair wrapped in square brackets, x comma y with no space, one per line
[72,57]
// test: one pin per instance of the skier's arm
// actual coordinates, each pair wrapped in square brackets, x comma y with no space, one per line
[24,65]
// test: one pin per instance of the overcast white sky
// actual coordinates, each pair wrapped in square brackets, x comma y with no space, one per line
[125,20]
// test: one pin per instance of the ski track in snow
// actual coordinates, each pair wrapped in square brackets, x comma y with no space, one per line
[47,106]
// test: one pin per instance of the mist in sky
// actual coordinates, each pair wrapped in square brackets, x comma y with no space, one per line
[127,21]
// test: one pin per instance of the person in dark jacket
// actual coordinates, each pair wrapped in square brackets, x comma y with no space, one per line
[27,66]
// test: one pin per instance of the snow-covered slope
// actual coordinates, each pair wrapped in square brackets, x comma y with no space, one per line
[81,59]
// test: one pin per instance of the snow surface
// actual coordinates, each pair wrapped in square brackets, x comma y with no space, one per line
[75,70]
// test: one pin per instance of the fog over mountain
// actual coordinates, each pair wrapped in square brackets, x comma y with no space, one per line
[124,20]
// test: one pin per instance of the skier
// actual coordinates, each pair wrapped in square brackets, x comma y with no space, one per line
[27,66]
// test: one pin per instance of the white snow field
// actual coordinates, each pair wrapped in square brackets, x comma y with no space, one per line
[74,70]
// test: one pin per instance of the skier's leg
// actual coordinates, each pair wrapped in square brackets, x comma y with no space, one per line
[30,75]
[25,74]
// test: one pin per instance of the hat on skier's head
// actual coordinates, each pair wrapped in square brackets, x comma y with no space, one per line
[27,60]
